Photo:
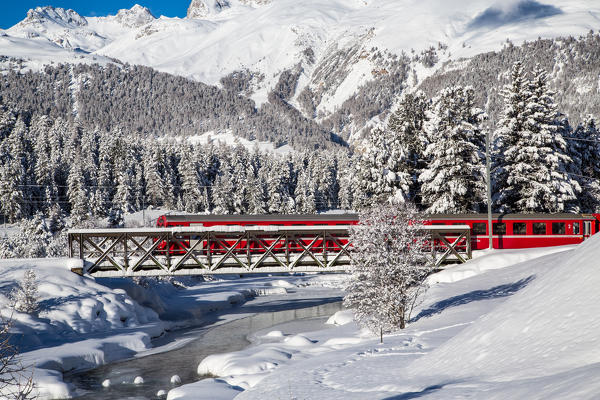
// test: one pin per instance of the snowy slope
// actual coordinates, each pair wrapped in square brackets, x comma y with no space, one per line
[520,331]
[549,328]
[333,40]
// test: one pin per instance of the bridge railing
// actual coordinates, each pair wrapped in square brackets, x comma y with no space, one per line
[236,249]
[214,250]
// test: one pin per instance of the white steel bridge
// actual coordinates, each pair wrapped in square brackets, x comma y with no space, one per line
[236,249]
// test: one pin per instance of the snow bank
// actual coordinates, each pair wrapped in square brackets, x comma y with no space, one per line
[70,306]
[547,329]
[243,362]
[207,389]
[486,260]
[341,318]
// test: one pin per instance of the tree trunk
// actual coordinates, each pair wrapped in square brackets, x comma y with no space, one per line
[402,322]
[380,334]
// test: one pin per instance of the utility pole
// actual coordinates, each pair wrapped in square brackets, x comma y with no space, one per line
[489,186]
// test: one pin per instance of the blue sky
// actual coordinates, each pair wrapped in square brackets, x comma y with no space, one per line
[12,11]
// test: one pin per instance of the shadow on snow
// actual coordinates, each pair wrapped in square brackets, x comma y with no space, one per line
[476,295]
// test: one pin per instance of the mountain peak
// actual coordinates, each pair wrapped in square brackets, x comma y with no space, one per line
[57,15]
[135,17]
[204,8]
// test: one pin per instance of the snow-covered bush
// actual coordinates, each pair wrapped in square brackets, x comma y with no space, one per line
[388,268]
[35,239]
[24,298]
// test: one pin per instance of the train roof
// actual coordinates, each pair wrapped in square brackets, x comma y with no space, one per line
[355,217]
[257,218]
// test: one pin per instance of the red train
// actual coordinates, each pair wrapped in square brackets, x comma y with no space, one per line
[510,231]
[301,235]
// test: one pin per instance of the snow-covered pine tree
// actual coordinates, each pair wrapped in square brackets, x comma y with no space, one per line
[453,179]
[78,193]
[153,165]
[125,196]
[306,203]
[325,172]
[7,122]
[105,189]
[510,128]
[408,140]
[223,187]
[585,151]
[257,188]
[537,165]
[24,298]
[388,267]
[191,196]
[346,193]
[43,169]
[14,174]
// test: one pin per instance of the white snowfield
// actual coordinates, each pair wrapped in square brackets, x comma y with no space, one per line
[268,37]
[82,324]
[524,330]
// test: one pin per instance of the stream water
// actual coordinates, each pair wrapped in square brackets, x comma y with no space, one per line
[157,369]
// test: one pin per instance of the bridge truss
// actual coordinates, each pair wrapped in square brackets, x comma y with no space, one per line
[235,249]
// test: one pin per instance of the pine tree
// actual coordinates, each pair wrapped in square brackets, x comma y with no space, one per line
[24,298]
[78,193]
[408,140]
[388,267]
[191,194]
[43,169]
[585,152]
[125,196]
[345,175]
[536,165]
[105,188]
[511,127]
[305,187]
[14,173]
[453,179]
[153,167]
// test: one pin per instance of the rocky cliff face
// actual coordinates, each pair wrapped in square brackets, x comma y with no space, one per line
[204,8]
[135,17]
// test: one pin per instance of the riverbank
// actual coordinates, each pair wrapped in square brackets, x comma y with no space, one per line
[84,322]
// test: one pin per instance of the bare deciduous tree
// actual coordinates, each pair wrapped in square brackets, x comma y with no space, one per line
[16,380]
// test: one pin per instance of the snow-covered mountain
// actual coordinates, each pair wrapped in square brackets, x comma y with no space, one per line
[331,47]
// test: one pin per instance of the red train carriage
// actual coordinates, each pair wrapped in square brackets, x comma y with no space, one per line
[518,231]
[305,222]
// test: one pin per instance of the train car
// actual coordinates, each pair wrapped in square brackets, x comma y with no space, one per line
[259,243]
[518,231]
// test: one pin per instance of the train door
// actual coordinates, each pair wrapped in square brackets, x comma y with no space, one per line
[587,229]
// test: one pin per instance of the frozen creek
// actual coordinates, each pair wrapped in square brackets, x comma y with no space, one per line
[157,369]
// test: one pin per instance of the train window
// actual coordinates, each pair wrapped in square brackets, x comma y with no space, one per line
[576,230]
[479,228]
[539,228]
[519,228]
[499,228]
[558,228]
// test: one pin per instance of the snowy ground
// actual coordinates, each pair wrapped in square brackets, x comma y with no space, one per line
[84,322]
[519,324]
[512,324]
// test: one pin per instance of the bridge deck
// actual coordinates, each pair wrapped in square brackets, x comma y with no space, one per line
[214,250]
